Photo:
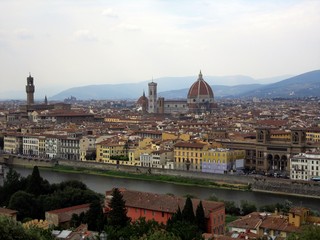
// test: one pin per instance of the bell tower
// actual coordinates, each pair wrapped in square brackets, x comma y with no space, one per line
[30,90]
[152,97]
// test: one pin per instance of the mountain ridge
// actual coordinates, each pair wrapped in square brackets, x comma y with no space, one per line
[165,86]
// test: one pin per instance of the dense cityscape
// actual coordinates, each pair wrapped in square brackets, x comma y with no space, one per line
[160,120]
[268,145]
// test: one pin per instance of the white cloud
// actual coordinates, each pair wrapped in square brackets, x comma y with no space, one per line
[109,12]
[85,35]
[23,34]
[130,27]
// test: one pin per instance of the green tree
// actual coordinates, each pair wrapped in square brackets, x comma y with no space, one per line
[158,235]
[187,212]
[36,184]
[95,217]
[68,197]
[268,208]
[247,207]
[231,208]
[117,215]
[12,183]
[13,230]
[142,227]
[311,232]
[76,219]
[185,230]
[26,205]
[200,218]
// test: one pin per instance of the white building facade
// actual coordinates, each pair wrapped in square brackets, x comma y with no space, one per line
[305,166]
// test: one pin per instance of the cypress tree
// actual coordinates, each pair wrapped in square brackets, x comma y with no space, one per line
[200,217]
[187,212]
[117,216]
[95,217]
[35,182]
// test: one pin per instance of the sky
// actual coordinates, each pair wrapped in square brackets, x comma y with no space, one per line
[69,43]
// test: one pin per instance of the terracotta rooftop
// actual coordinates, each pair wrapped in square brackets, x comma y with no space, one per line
[7,211]
[189,145]
[162,202]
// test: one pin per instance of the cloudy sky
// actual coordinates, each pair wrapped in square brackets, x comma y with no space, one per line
[66,43]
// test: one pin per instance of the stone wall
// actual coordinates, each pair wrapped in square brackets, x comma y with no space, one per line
[286,186]
[157,171]
[25,161]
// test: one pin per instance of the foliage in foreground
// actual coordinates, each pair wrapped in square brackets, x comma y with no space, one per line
[32,196]
[13,230]
[308,233]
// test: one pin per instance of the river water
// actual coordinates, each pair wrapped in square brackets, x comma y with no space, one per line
[101,184]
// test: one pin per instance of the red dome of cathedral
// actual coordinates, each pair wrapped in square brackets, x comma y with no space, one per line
[200,96]
[200,88]
[143,102]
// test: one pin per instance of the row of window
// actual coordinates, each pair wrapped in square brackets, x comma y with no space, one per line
[187,154]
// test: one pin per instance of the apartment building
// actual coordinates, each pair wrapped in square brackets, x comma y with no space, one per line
[51,146]
[221,160]
[69,147]
[30,145]
[305,166]
[188,155]
[12,143]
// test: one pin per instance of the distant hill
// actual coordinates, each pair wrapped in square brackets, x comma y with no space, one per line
[219,91]
[303,85]
[168,87]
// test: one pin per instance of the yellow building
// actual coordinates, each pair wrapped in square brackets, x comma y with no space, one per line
[189,155]
[12,143]
[42,146]
[313,135]
[110,152]
[281,135]
[298,216]
[220,160]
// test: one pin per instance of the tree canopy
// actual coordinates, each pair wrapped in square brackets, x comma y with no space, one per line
[117,216]
[187,211]
[200,217]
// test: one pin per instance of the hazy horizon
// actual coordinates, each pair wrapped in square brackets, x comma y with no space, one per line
[75,43]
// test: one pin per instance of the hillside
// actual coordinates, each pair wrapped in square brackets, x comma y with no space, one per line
[303,85]
[168,87]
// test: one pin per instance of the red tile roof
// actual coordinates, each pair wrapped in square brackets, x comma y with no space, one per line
[162,202]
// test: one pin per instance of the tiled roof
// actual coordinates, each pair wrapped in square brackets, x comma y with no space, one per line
[250,221]
[162,202]
[7,211]
[70,209]
[278,223]
[65,214]
[257,220]
[189,145]
[200,88]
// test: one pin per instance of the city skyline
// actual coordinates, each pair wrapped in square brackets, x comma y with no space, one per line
[75,43]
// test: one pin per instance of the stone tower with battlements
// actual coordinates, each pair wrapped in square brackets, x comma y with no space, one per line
[30,90]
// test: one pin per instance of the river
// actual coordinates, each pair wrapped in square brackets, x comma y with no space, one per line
[101,184]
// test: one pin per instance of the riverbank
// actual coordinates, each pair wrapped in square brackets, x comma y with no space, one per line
[150,177]
[284,187]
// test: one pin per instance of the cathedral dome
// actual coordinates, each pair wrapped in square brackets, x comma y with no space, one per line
[200,96]
[200,88]
[143,102]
